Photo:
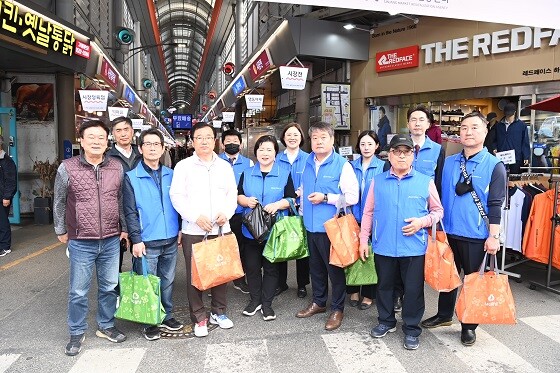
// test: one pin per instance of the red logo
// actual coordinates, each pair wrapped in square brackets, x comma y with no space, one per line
[109,75]
[260,65]
[396,59]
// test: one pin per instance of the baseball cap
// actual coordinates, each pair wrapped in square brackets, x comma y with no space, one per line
[491,116]
[510,108]
[401,140]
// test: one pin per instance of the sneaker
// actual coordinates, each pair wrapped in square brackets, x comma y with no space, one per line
[113,334]
[151,333]
[74,347]
[5,252]
[221,320]
[268,314]
[411,342]
[381,330]
[252,308]
[397,304]
[171,324]
[280,289]
[201,328]
[241,286]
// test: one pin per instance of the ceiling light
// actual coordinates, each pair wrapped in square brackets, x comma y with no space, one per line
[349,26]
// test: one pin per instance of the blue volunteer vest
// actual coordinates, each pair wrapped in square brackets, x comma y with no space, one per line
[364,179]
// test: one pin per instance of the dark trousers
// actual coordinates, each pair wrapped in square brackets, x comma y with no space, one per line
[411,270]
[262,283]
[320,269]
[367,291]
[468,256]
[5,229]
[302,272]
[196,305]
[235,225]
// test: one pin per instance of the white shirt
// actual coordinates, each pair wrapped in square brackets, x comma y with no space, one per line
[127,154]
[203,188]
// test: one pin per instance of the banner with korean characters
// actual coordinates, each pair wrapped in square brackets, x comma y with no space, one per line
[137,124]
[254,101]
[228,116]
[115,112]
[94,100]
[293,77]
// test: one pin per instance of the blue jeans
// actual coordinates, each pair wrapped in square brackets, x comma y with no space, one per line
[84,254]
[161,262]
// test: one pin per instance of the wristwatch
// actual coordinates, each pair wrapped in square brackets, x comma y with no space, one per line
[496,236]
[326,199]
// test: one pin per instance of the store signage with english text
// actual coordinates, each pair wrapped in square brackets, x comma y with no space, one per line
[396,59]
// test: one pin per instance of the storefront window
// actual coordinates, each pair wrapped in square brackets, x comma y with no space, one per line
[545,136]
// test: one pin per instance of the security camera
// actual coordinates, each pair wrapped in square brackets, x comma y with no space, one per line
[147,83]
[163,113]
[370,101]
[156,102]
[125,35]
[229,68]
[212,95]
[264,18]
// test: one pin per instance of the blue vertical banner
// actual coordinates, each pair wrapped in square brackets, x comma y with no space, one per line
[67,149]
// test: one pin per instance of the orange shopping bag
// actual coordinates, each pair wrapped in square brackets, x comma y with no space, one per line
[486,297]
[343,232]
[215,262]
[440,271]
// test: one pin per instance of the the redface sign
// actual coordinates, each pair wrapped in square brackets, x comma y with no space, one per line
[396,59]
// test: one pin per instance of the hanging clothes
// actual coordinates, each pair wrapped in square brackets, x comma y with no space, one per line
[516,215]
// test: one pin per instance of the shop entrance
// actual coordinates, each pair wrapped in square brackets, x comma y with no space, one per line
[9,132]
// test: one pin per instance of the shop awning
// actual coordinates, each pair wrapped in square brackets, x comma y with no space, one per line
[550,104]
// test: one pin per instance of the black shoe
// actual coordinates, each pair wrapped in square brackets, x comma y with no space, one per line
[252,308]
[74,347]
[435,321]
[151,333]
[5,252]
[302,292]
[364,306]
[268,313]
[171,324]
[280,289]
[353,303]
[241,286]
[468,337]
[397,304]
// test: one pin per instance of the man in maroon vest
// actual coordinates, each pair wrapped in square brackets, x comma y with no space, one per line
[88,216]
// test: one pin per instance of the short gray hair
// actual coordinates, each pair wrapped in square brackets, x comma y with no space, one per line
[321,126]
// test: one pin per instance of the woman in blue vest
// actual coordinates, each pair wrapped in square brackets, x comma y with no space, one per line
[365,167]
[270,185]
[293,158]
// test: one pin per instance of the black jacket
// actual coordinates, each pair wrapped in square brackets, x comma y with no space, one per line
[8,177]
[136,157]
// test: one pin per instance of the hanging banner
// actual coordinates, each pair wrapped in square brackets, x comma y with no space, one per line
[457,9]
[217,123]
[229,116]
[137,124]
[254,101]
[115,112]
[335,105]
[260,65]
[293,77]
[94,100]
[146,127]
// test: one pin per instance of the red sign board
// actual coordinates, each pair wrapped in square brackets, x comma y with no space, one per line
[108,74]
[144,111]
[82,49]
[260,65]
[396,59]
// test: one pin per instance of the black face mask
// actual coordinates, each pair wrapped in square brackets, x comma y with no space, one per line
[232,149]
[464,187]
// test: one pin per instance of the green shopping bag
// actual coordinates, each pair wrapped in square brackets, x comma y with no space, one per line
[361,272]
[140,297]
[287,240]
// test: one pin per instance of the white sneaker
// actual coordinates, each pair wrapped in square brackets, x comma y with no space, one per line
[201,328]
[221,320]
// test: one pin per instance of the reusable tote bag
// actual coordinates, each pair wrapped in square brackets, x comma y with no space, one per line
[486,297]
[258,222]
[440,271]
[287,240]
[343,232]
[362,272]
[140,297]
[215,262]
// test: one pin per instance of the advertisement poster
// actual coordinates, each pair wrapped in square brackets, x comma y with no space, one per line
[335,105]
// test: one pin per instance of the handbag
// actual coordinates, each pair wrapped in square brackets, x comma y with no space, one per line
[361,272]
[486,297]
[140,298]
[440,271]
[288,238]
[258,222]
[343,232]
[215,262]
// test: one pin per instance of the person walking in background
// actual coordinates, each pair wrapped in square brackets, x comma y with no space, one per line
[270,185]
[365,167]
[473,228]
[204,193]
[8,188]
[153,223]
[383,128]
[327,178]
[293,158]
[400,205]
[512,134]
[88,216]
[434,131]
[231,143]
[490,140]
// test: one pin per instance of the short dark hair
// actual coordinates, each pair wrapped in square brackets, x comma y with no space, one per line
[382,109]
[151,131]
[201,125]
[231,132]
[371,134]
[300,130]
[266,138]
[475,114]
[421,108]
[92,123]
[321,126]
[118,120]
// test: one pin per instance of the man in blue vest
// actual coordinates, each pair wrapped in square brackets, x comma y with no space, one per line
[231,143]
[473,228]
[153,223]
[327,178]
[400,205]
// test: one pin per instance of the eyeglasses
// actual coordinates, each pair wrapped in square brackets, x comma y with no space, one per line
[401,152]
[207,138]
[150,144]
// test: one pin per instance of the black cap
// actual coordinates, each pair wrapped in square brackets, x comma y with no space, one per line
[401,140]
[491,116]
[510,109]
